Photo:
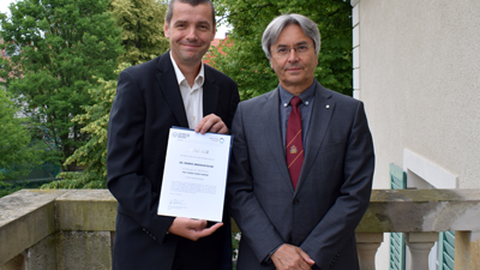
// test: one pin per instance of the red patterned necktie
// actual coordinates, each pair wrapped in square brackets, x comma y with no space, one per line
[294,142]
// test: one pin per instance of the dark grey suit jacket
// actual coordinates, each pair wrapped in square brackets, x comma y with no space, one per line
[334,187]
[148,102]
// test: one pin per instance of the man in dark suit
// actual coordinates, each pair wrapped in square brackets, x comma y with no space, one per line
[175,89]
[302,162]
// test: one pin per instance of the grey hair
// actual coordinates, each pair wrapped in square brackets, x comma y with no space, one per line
[276,26]
[193,3]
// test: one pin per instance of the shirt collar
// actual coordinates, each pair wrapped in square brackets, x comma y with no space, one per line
[180,77]
[305,96]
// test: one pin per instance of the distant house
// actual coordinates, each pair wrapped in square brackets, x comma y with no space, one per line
[4,54]
[218,44]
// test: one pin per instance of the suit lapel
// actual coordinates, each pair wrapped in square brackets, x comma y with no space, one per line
[210,93]
[270,112]
[168,85]
[321,115]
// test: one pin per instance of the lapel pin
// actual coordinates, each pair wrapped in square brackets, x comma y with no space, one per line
[328,106]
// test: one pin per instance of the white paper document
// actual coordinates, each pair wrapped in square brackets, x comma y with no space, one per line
[195,175]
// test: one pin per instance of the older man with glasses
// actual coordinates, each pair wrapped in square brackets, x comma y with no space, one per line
[302,162]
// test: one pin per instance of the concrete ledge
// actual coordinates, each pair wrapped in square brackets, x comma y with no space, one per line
[21,203]
[29,216]
[33,215]
[429,210]
[31,220]
[94,210]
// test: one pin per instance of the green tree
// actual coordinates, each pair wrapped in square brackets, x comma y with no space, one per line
[142,29]
[56,46]
[18,154]
[143,38]
[246,62]
[93,155]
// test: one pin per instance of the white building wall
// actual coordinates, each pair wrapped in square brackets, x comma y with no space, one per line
[419,76]
[417,69]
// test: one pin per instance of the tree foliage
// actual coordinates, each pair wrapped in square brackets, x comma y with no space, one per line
[142,29]
[246,62]
[93,155]
[143,38]
[55,48]
[18,154]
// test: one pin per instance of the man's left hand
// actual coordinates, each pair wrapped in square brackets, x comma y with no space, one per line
[211,123]
[289,257]
[192,229]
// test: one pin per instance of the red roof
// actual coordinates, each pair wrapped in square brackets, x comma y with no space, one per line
[218,44]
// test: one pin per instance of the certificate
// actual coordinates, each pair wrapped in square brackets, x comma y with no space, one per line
[195,175]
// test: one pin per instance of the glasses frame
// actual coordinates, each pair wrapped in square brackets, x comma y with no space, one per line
[300,49]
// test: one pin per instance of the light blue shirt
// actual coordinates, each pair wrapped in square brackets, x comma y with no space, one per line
[306,108]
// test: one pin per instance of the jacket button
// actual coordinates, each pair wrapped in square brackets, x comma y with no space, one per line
[296,202]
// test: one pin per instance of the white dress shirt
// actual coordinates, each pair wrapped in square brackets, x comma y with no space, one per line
[192,96]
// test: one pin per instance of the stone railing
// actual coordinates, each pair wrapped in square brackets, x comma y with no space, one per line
[420,215]
[57,229]
[73,229]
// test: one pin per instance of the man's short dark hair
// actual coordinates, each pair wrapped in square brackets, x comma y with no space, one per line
[193,3]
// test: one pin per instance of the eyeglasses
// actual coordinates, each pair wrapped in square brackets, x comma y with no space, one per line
[300,49]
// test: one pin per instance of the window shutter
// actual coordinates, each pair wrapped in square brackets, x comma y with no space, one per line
[398,180]
[446,250]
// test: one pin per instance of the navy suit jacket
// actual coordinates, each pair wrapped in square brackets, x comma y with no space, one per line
[148,102]
[333,192]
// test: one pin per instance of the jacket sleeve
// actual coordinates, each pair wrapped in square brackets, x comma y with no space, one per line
[126,180]
[245,208]
[328,238]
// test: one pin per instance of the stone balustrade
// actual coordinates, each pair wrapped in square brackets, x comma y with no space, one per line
[73,229]
[421,215]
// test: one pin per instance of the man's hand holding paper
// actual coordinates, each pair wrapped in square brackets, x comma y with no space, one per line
[195,175]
